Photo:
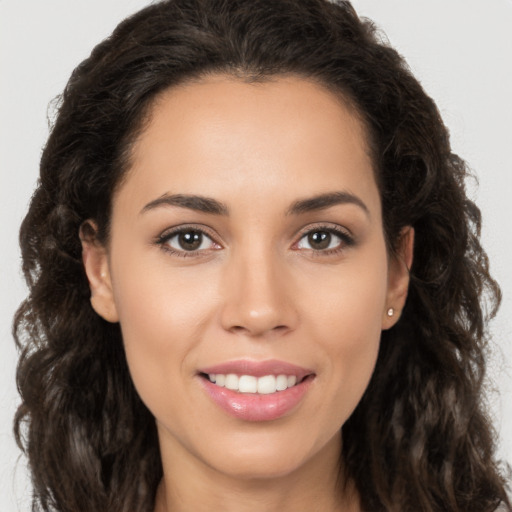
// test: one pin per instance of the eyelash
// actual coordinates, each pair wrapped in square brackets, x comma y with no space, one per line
[346,240]
[164,239]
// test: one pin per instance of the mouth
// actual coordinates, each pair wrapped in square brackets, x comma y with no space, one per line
[264,385]
[257,390]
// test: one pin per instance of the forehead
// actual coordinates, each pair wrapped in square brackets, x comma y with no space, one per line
[219,132]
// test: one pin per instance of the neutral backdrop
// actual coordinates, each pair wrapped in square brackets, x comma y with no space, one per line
[461,50]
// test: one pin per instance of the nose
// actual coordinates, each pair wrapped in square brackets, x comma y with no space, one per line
[258,299]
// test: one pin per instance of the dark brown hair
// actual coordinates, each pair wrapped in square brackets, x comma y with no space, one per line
[420,439]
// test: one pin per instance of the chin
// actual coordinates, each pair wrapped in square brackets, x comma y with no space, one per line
[265,459]
[260,468]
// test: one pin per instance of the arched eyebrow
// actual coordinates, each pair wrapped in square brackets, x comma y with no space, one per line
[192,202]
[323,201]
[213,206]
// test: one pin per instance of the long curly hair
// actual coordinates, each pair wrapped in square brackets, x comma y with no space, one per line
[420,439]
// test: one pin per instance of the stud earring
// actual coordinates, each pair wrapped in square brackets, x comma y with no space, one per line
[391,312]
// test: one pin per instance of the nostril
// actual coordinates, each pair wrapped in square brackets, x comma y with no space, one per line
[242,329]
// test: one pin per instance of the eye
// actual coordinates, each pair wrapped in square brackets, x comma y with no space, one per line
[187,240]
[327,240]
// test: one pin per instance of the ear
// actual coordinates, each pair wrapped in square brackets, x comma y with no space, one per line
[398,278]
[95,260]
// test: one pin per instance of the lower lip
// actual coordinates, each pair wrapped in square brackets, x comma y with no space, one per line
[255,407]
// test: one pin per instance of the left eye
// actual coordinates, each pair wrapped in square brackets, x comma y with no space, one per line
[189,240]
[320,240]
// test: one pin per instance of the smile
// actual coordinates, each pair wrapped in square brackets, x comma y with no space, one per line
[257,390]
[264,385]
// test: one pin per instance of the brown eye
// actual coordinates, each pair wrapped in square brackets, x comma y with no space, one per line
[324,240]
[188,240]
[319,240]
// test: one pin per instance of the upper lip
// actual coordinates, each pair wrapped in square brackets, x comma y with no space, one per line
[258,368]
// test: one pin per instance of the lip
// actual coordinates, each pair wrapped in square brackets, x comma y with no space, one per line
[252,406]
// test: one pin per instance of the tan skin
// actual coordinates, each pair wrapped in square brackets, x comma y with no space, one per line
[258,285]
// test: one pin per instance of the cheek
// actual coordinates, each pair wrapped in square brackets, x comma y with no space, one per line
[350,303]
[348,319]
[162,316]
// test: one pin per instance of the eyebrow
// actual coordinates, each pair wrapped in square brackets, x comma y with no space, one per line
[212,206]
[192,202]
[323,201]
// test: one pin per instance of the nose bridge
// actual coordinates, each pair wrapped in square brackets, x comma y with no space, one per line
[256,299]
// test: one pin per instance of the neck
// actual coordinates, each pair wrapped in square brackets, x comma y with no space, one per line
[315,486]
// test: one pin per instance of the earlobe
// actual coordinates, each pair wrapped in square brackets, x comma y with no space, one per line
[95,260]
[398,278]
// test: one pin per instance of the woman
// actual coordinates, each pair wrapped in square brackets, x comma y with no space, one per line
[249,236]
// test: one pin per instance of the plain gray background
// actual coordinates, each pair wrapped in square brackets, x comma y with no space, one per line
[461,50]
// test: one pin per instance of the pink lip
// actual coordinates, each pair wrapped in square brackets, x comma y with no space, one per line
[254,407]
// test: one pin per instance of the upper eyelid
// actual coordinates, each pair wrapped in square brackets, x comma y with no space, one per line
[172,231]
[325,226]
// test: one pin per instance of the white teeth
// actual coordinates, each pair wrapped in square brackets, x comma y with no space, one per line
[232,381]
[249,384]
[267,385]
[281,382]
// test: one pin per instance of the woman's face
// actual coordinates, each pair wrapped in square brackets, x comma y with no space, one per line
[247,243]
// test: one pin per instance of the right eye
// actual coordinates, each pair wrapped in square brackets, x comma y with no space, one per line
[187,242]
